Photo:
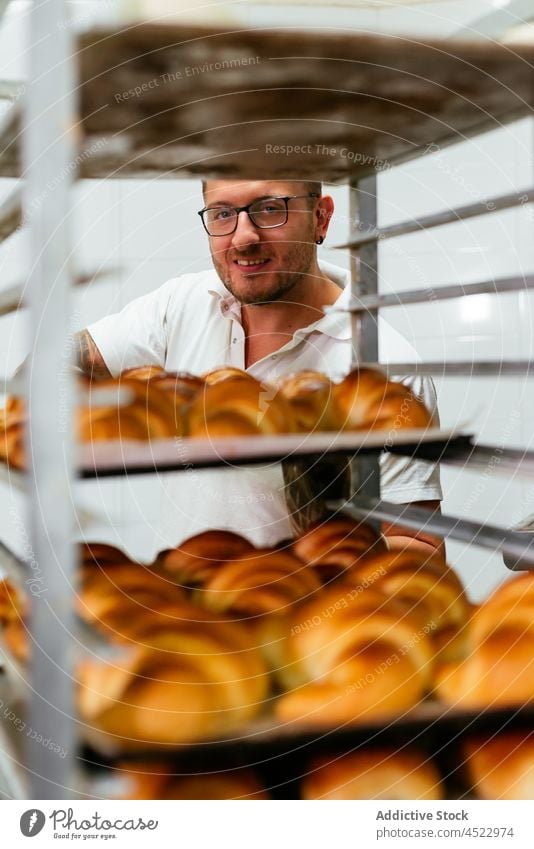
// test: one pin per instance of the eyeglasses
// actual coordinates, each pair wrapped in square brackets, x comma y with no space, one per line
[265,213]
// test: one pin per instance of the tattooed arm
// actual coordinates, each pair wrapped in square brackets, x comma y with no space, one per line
[88,358]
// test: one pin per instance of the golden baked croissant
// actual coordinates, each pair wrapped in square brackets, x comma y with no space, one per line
[127,587]
[151,414]
[373,774]
[101,553]
[502,766]
[183,385]
[238,407]
[336,544]
[195,560]
[13,420]
[143,372]
[511,604]
[351,656]
[310,394]
[367,400]
[223,373]
[266,582]
[425,582]
[13,612]
[147,780]
[498,668]
[199,682]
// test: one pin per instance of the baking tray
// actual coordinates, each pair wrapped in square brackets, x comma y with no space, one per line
[281,755]
[115,457]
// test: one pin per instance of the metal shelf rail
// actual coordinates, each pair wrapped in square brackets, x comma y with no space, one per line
[48,125]
[516,545]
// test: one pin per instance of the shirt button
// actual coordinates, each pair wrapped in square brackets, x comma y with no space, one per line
[234,341]
[274,357]
[225,307]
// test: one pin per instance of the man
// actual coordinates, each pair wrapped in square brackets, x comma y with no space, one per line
[262,309]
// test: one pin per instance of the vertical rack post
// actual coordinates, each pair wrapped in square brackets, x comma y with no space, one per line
[48,167]
[364,281]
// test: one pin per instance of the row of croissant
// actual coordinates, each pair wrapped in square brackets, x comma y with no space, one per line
[153,404]
[490,767]
[333,628]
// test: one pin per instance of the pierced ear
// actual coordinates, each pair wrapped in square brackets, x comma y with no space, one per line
[320,240]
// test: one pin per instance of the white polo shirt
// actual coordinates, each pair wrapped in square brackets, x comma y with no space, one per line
[192,323]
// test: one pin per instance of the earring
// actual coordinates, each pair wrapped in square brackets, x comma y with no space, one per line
[320,240]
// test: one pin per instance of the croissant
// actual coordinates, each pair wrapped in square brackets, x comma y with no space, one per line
[266,582]
[13,604]
[223,373]
[196,559]
[13,612]
[151,414]
[155,781]
[498,665]
[374,774]
[123,586]
[310,394]
[367,400]
[352,655]
[183,385]
[510,605]
[336,544]
[143,373]
[101,553]
[426,583]
[12,444]
[499,672]
[502,767]
[238,407]
[200,682]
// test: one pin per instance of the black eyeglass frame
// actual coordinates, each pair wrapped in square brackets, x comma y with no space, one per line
[239,209]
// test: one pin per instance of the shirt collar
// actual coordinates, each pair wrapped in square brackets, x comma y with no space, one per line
[334,324]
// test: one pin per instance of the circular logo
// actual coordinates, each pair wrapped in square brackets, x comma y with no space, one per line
[32,822]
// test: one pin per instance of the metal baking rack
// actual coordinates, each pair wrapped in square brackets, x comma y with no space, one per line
[116,458]
[280,754]
[358,100]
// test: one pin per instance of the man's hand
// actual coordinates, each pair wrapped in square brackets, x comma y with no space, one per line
[88,357]
[398,537]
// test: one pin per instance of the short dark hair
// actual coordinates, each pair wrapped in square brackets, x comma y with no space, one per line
[312,187]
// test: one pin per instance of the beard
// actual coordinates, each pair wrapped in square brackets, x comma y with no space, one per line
[266,286]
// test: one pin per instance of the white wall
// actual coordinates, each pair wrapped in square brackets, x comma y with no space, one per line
[499,410]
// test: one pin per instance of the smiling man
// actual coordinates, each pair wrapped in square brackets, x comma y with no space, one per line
[260,308]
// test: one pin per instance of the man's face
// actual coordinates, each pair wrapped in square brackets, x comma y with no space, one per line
[281,255]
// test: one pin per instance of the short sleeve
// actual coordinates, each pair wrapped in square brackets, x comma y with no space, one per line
[137,335]
[404,479]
